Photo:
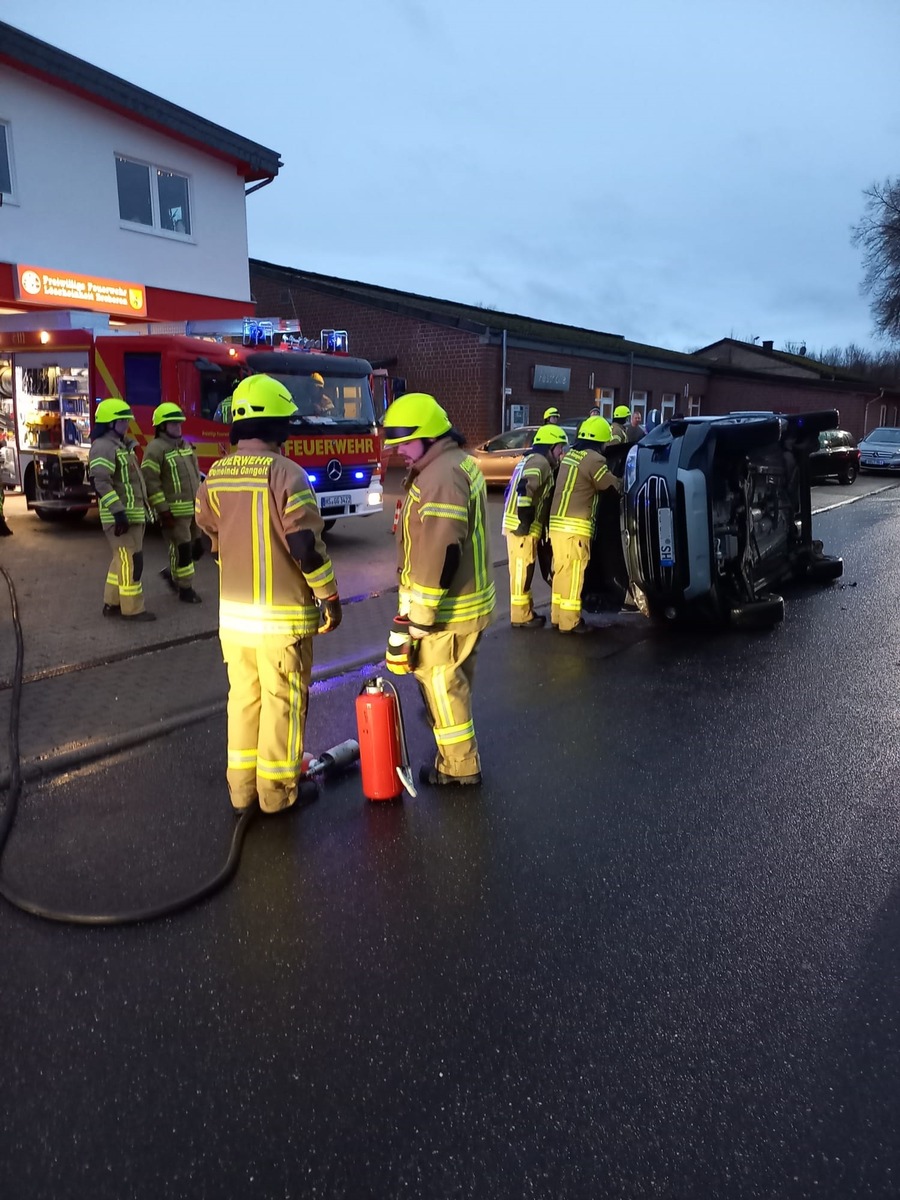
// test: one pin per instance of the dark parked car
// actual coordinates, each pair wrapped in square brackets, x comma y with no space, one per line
[836,458]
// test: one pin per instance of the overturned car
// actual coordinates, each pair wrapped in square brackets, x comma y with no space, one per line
[715,515]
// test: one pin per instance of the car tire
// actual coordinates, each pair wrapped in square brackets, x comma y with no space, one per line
[847,474]
[824,569]
[59,516]
[766,611]
[329,525]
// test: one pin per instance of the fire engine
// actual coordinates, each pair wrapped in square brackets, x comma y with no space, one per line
[52,375]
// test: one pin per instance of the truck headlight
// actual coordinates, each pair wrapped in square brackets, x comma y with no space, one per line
[631,468]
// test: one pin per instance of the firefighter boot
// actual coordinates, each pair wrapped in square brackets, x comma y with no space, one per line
[189,596]
[5,530]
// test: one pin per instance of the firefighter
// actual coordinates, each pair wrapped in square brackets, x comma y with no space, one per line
[116,475]
[323,405]
[172,477]
[446,585]
[582,475]
[5,530]
[551,416]
[277,589]
[620,424]
[525,519]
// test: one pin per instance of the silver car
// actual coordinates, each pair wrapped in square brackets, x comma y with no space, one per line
[498,457]
[880,450]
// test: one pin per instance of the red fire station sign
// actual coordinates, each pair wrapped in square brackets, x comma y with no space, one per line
[64,290]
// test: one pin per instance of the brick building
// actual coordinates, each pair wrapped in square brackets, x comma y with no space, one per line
[456,351]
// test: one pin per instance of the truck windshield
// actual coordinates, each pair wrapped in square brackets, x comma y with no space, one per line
[342,400]
[216,385]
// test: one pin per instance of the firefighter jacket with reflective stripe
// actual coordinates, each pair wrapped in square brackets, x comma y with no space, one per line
[248,504]
[531,486]
[617,434]
[582,475]
[171,474]
[116,475]
[444,510]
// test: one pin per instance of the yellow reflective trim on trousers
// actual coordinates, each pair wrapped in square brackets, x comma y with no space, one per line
[452,735]
[295,705]
[276,773]
[441,697]
[241,760]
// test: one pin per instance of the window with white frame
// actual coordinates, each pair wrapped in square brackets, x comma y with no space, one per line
[694,403]
[153,197]
[605,401]
[639,403]
[669,404]
[6,174]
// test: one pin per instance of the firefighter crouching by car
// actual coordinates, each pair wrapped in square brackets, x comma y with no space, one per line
[525,519]
[172,477]
[582,475]
[261,515]
[116,475]
[446,585]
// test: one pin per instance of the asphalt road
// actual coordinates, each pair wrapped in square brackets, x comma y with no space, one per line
[656,956]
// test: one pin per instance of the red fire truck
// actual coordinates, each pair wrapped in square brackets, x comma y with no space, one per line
[51,380]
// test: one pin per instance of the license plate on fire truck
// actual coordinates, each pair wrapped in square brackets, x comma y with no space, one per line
[666,540]
[333,501]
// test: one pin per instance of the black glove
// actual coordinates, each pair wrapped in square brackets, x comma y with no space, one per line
[121,524]
[526,516]
[402,648]
[166,519]
[329,614]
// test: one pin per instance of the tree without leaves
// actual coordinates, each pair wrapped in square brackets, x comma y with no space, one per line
[878,235]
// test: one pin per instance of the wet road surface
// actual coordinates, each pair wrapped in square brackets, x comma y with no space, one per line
[657,956]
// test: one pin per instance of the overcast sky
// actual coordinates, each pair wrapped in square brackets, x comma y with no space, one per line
[672,170]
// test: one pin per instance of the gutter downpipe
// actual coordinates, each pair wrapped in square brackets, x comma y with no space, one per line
[262,183]
[503,413]
[631,379]
[880,396]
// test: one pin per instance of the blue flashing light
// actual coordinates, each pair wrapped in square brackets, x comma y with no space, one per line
[313,478]
[359,474]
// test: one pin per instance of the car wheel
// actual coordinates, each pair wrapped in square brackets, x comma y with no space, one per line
[847,474]
[824,569]
[762,613]
[329,525]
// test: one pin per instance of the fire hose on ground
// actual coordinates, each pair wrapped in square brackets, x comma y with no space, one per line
[334,759]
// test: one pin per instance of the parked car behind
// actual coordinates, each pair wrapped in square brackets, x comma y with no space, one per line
[880,450]
[836,458]
[498,456]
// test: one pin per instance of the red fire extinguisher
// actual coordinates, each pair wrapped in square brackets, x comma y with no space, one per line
[384,758]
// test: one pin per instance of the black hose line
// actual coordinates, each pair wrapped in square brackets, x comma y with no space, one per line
[169,907]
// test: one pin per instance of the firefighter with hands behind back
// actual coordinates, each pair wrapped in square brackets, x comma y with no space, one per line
[525,517]
[276,590]
[116,475]
[446,585]
[582,475]
[172,477]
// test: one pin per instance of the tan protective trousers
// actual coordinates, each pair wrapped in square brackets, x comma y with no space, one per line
[445,670]
[571,554]
[123,579]
[268,690]
[522,552]
[181,538]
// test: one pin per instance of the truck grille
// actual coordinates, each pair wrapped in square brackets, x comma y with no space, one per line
[347,479]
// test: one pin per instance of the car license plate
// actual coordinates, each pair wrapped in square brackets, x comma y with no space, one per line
[334,501]
[666,541]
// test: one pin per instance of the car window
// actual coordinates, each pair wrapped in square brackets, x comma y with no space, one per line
[514,439]
[846,439]
[884,434]
[825,439]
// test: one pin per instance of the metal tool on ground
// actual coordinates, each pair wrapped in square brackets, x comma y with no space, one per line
[383,752]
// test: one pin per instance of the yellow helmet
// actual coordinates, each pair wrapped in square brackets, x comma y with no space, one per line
[317,379]
[167,411]
[414,415]
[261,396]
[620,411]
[550,412]
[594,429]
[112,410]
[550,435]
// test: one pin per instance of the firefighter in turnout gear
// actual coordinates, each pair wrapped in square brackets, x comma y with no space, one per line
[172,477]
[525,517]
[276,591]
[446,585]
[551,416]
[116,475]
[618,429]
[583,474]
